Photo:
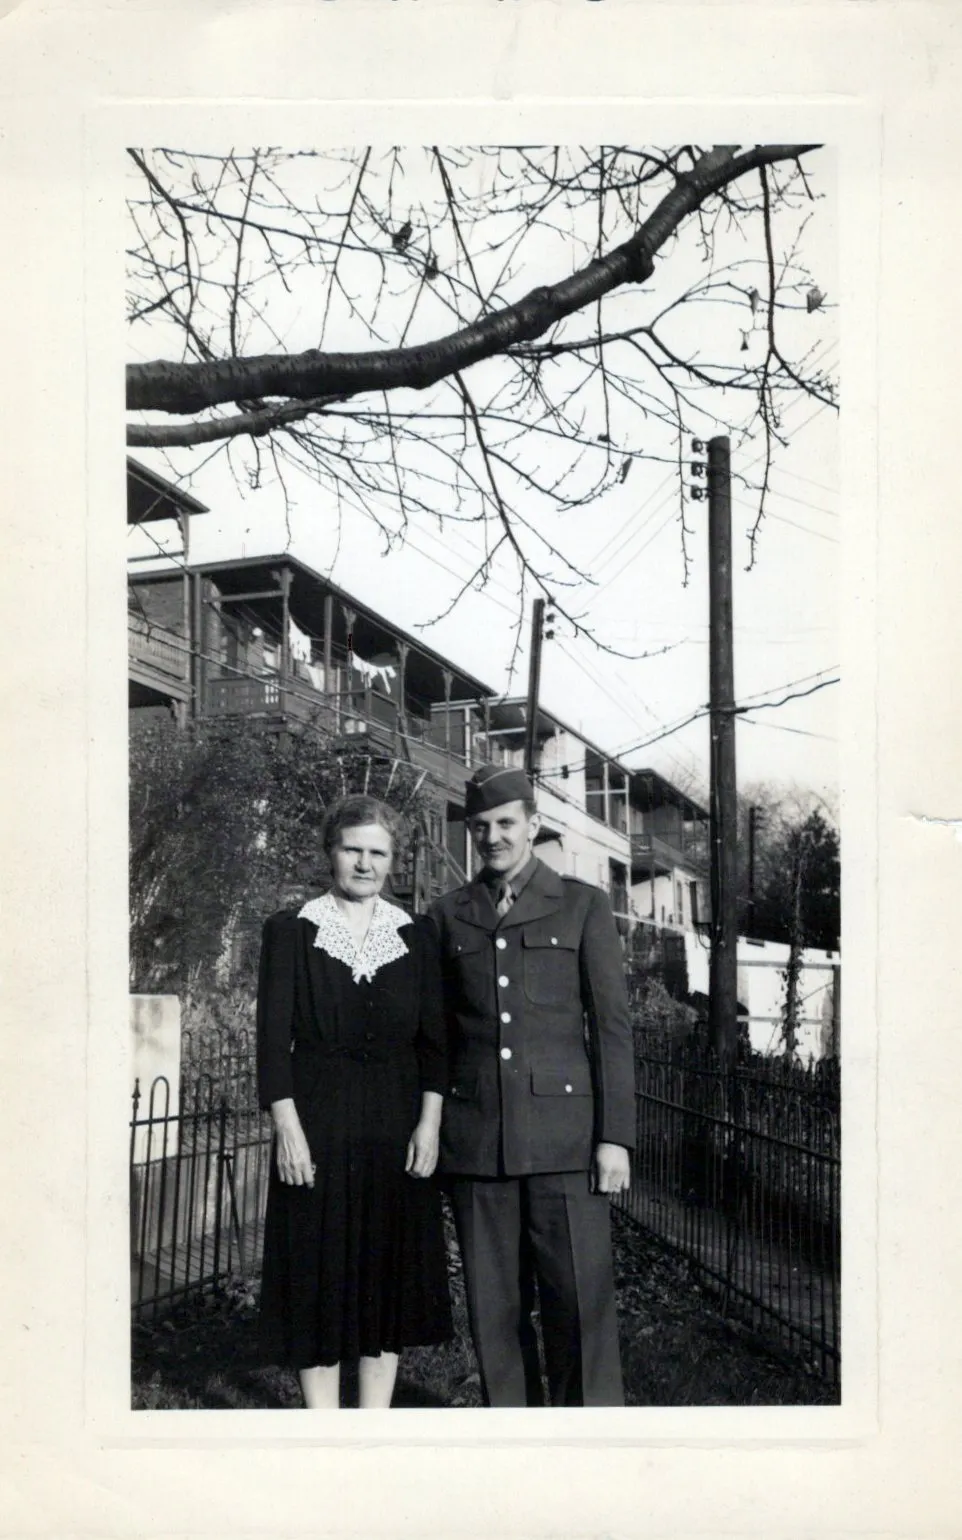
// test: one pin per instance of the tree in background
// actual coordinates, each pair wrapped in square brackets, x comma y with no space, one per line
[797,870]
[488,336]
[225,827]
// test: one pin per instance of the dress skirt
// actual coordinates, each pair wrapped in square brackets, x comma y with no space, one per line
[356,1265]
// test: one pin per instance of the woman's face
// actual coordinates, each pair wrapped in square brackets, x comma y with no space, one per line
[361,860]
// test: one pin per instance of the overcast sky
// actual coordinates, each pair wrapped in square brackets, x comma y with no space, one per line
[785,607]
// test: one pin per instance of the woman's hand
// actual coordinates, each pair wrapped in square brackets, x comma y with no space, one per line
[422,1153]
[294,1165]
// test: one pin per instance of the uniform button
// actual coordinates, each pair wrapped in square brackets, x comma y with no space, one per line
[569,1088]
[506,1053]
[554,941]
[506,1017]
[504,981]
[500,943]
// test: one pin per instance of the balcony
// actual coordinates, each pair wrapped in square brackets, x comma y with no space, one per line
[651,855]
[157,659]
[345,715]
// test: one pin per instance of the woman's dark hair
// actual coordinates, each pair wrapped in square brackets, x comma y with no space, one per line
[353,811]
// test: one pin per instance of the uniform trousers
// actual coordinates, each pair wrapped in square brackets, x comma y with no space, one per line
[553,1228]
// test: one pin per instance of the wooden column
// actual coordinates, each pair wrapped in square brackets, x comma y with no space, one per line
[329,690]
[183,520]
[284,578]
[196,643]
[448,678]
[403,648]
[350,616]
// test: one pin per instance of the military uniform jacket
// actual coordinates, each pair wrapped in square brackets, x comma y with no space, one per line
[540,1045]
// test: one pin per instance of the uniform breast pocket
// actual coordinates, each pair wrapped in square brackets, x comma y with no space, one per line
[468,971]
[550,966]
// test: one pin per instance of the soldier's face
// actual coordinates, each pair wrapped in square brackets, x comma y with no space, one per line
[503,837]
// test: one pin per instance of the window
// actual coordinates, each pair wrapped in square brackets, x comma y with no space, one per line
[618,886]
[594,785]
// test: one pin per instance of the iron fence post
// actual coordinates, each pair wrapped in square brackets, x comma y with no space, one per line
[219,1199]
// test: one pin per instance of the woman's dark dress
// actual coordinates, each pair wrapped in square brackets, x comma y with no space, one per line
[355,1266]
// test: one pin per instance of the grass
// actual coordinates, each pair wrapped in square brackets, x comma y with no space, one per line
[677,1350]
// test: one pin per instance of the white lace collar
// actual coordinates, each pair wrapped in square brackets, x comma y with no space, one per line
[382,944]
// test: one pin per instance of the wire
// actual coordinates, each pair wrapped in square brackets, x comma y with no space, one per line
[790,683]
[781,728]
[831,513]
[773,705]
[704,711]
[781,519]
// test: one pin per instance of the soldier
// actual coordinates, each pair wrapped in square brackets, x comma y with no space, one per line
[540,1111]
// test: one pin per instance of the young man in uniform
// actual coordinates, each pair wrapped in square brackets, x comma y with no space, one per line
[540,1111]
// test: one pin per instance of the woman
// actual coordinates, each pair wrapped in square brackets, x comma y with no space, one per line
[351,1063]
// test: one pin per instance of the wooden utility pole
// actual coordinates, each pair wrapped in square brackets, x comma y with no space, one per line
[723,972]
[534,687]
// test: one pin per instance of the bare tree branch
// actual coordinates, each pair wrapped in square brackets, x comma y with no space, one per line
[187,388]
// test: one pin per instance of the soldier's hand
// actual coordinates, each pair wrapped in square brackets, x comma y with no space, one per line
[611,1171]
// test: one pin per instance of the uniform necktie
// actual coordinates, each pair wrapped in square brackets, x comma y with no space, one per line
[505,898]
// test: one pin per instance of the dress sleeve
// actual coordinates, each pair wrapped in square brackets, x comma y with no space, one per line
[431,1042]
[275,1011]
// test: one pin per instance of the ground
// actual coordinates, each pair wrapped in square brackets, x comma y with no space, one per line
[677,1350]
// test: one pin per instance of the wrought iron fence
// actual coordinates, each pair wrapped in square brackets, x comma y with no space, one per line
[199,1164]
[741,1172]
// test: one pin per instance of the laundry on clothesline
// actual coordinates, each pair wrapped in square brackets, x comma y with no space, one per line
[299,641]
[373,673]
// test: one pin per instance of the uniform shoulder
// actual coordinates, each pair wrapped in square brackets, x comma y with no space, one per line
[586,894]
[579,882]
[447,901]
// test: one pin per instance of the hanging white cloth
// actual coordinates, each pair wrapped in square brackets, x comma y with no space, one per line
[299,641]
[373,673]
[315,674]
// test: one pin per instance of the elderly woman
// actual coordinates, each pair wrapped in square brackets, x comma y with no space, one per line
[352,1064]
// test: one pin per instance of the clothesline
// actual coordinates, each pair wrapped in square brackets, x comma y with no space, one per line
[299,644]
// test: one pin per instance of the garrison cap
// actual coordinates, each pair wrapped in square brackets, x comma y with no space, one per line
[492,785]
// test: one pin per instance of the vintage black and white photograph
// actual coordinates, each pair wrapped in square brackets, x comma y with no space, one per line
[483,664]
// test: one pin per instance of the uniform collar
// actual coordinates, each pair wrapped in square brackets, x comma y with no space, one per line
[493,880]
[541,894]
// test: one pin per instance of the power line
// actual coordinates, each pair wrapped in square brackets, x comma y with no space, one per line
[670,496]
[703,711]
[781,519]
[831,513]
[781,728]
[773,705]
[790,683]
